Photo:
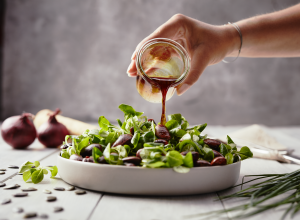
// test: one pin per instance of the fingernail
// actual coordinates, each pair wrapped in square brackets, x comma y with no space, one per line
[182,89]
[130,66]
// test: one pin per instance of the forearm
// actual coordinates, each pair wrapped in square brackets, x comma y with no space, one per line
[272,35]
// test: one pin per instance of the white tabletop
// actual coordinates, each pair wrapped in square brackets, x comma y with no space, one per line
[97,205]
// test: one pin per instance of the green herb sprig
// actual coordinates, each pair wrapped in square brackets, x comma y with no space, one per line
[35,172]
[275,185]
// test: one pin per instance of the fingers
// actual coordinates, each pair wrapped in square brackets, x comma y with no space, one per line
[166,30]
[198,64]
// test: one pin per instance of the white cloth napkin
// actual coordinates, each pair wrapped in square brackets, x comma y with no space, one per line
[259,141]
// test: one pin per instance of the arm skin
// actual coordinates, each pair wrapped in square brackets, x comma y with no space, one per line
[271,35]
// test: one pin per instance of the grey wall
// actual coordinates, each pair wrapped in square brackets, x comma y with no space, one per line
[73,54]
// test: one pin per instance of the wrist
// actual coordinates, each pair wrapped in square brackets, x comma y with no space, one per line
[232,39]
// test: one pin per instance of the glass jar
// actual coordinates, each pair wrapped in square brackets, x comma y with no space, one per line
[164,59]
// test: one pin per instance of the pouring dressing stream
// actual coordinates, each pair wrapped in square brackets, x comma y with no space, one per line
[162,64]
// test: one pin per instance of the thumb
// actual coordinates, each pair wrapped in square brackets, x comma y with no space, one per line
[198,64]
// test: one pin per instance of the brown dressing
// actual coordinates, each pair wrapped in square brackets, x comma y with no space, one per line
[164,85]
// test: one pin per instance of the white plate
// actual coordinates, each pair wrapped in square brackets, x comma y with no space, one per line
[147,181]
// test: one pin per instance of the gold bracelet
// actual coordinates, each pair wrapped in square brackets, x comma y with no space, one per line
[241,36]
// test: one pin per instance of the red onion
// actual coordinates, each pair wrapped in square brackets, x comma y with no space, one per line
[52,133]
[18,131]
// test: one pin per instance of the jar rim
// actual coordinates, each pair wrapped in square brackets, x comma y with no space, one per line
[184,54]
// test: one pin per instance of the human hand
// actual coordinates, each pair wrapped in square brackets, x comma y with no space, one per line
[206,44]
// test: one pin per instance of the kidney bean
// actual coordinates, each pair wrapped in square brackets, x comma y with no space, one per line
[202,163]
[138,153]
[195,155]
[217,154]
[123,139]
[132,130]
[89,150]
[162,132]
[88,159]
[212,143]
[101,160]
[75,157]
[218,161]
[150,120]
[132,159]
[161,141]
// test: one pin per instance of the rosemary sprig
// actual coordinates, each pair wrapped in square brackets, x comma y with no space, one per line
[271,186]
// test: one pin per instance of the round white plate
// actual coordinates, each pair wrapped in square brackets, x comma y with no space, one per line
[147,181]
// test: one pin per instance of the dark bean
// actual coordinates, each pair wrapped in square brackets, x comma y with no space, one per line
[132,159]
[2,169]
[150,119]
[80,192]
[2,172]
[29,189]
[218,161]
[123,140]
[2,184]
[88,159]
[195,155]
[71,188]
[101,159]
[21,194]
[138,153]
[212,143]
[51,198]
[18,210]
[164,142]
[76,157]
[13,167]
[217,154]
[5,201]
[202,163]
[59,188]
[132,130]
[11,186]
[129,164]
[162,132]
[30,215]
[89,150]
[20,174]
[58,209]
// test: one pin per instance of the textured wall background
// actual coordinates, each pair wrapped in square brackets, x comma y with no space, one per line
[74,54]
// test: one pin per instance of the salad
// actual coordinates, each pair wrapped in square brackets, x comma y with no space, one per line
[139,141]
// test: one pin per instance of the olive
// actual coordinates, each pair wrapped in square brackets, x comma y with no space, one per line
[132,130]
[76,157]
[88,159]
[101,160]
[162,132]
[132,159]
[161,141]
[195,155]
[150,120]
[218,161]
[217,154]
[212,143]
[129,164]
[123,139]
[89,150]
[138,153]
[202,163]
